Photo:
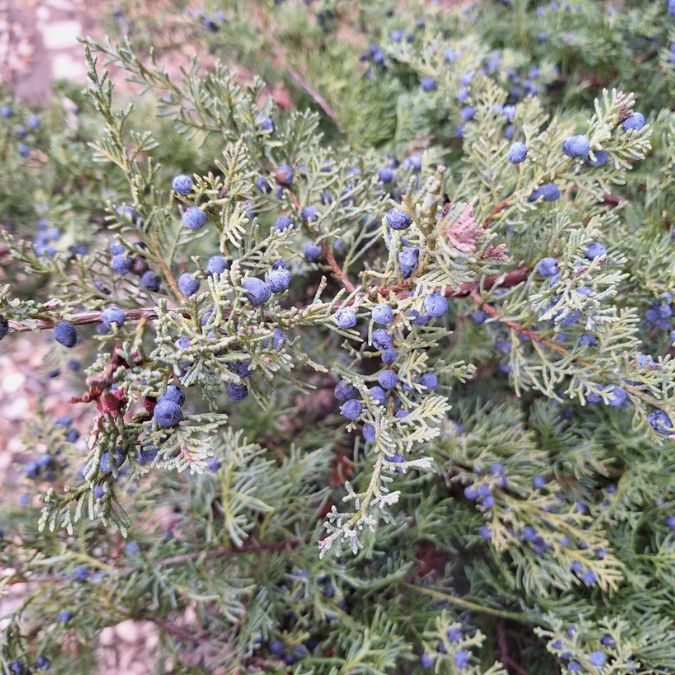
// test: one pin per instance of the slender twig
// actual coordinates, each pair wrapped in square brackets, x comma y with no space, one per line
[475,607]
[177,631]
[83,319]
[338,272]
[217,552]
[497,209]
[503,650]
[282,62]
[507,280]
[535,337]
[166,271]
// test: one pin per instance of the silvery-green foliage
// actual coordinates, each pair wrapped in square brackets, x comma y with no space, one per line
[516,508]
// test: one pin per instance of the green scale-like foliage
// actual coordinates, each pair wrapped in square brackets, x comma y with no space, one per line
[515,515]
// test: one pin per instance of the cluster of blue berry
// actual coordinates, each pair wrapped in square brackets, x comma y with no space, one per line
[167,411]
[19,667]
[412,164]
[121,262]
[578,654]
[383,341]
[659,316]
[482,492]
[452,645]
[24,131]
[47,466]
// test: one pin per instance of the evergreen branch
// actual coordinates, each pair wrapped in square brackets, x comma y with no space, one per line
[338,272]
[280,55]
[85,318]
[507,280]
[177,631]
[475,607]
[534,336]
[228,550]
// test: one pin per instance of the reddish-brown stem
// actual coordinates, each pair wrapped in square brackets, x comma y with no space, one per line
[176,631]
[83,319]
[497,209]
[338,272]
[535,337]
[281,59]
[512,278]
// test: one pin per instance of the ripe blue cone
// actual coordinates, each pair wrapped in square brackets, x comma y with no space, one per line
[65,334]
[257,291]
[167,413]
[194,218]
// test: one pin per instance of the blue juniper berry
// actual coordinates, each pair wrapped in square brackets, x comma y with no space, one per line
[381,339]
[217,264]
[538,482]
[257,291]
[408,259]
[346,318]
[279,280]
[517,153]
[389,355]
[429,381]
[369,433]
[435,305]
[284,174]
[312,251]
[173,393]
[309,214]
[548,267]
[182,184]
[616,396]
[660,422]
[150,281]
[386,175]
[597,159]
[468,112]
[382,314]
[237,392]
[634,122]
[378,394]
[576,146]
[120,264]
[42,663]
[113,315]
[167,413]
[265,123]
[351,409]
[194,218]
[387,379]
[81,573]
[596,250]
[65,334]
[188,284]
[344,391]
[262,184]
[428,84]
[412,163]
[426,661]
[397,219]
[461,659]
[282,223]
